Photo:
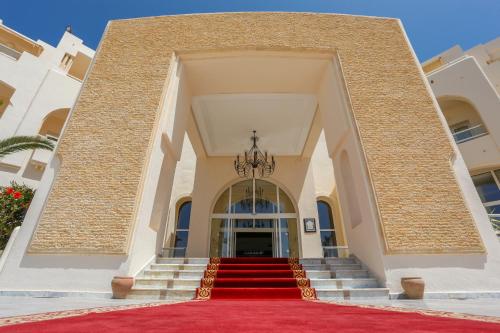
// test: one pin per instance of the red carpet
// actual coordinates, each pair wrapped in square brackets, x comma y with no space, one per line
[255,278]
[245,316]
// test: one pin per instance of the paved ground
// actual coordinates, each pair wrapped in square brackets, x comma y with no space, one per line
[15,306]
[480,306]
[23,305]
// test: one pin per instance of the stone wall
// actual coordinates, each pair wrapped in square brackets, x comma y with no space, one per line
[105,146]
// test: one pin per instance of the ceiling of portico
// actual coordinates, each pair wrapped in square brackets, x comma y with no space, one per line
[272,94]
[226,122]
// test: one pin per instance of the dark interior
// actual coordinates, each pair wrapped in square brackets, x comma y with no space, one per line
[254,244]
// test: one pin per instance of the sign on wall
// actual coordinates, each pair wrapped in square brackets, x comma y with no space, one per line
[310,224]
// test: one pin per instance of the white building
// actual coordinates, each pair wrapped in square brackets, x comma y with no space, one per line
[358,140]
[39,84]
[467,87]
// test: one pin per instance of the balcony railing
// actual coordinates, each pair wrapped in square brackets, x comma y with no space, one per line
[495,221]
[470,133]
[10,52]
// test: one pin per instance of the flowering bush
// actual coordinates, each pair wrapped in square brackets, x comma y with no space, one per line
[14,202]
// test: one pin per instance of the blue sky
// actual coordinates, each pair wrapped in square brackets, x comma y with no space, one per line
[432,25]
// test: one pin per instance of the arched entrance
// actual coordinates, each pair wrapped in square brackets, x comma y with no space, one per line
[254,218]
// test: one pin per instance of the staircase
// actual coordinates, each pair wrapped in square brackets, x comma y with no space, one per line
[333,278]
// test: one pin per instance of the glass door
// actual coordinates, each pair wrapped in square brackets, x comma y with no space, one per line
[254,217]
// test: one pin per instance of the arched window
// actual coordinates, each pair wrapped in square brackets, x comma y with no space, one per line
[182,229]
[327,228]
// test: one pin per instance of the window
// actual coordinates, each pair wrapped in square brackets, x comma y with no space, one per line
[326,228]
[488,187]
[182,229]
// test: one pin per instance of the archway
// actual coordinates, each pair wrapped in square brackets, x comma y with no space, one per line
[53,124]
[463,119]
[254,217]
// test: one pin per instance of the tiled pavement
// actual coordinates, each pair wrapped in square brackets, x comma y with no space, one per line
[23,305]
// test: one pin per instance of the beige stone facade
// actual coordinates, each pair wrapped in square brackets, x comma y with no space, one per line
[92,206]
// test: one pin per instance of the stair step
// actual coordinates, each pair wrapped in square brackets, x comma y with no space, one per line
[340,274]
[156,283]
[325,284]
[173,274]
[341,261]
[352,293]
[203,261]
[333,278]
[178,267]
[152,293]
[329,261]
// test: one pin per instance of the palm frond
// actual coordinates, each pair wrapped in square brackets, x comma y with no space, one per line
[21,143]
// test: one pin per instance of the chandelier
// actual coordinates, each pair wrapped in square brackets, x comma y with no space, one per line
[255,163]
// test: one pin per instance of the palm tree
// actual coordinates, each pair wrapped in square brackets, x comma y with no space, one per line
[20,143]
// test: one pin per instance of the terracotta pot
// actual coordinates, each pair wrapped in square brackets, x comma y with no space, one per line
[413,287]
[121,286]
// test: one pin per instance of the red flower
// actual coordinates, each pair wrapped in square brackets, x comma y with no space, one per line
[17,195]
[9,190]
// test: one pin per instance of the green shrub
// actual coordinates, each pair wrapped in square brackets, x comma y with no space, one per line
[14,202]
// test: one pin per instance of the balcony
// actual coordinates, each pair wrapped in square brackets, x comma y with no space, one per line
[41,157]
[11,53]
[495,222]
[470,134]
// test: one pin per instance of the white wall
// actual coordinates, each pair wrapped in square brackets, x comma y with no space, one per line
[459,272]
[465,80]
[360,217]
[72,273]
[41,86]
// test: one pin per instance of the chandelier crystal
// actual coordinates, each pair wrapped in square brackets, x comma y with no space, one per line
[255,163]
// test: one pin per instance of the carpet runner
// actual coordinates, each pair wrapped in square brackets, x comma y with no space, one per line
[255,278]
[251,316]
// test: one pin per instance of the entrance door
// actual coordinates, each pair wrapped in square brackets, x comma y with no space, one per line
[254,216]
[254,244]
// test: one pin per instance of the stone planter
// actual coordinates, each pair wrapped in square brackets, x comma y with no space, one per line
[413,287]
[121,286]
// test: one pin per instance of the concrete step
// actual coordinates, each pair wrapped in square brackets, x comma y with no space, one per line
[382,293]
[156,283]
[341,261]
[152,293]
[161,260]
[327,284]
[340,274]
[324,267]
[178,267]
[351,273]
[172,274]
[319,274]
[329,261]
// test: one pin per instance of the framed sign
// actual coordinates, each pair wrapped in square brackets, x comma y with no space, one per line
[310,224]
